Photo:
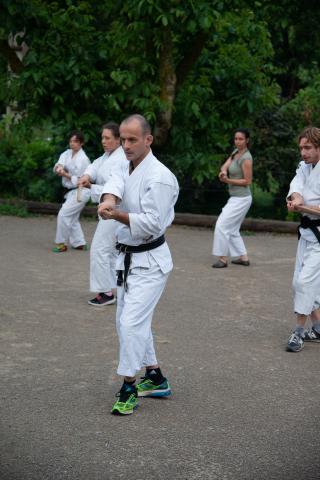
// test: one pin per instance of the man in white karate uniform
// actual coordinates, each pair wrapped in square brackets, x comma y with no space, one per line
[305,191]
[70,166]
[103,251]
[148,192]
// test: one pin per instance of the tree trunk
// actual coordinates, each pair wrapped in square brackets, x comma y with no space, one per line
[168,82]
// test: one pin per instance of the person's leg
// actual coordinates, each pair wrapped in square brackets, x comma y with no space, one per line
[103,256]
[220,246]
[306,289]
[236,243]
[68,225]
[134,317]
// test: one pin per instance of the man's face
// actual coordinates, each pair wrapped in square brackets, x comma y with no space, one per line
[75,144]
[309,153]
[109,141]
[135,143]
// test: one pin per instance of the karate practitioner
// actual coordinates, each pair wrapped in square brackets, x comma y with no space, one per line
[103,251]
[305,190]
[148,192]
[70,166]
[237,173]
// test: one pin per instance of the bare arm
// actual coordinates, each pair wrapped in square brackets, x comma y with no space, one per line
[224,168]
[247,175]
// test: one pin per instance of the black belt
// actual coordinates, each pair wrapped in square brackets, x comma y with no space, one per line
[306,222]
[128,250]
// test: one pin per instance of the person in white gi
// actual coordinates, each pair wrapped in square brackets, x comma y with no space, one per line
[70,166]
[148,192]
[305,191]
[103,251]
[237,173]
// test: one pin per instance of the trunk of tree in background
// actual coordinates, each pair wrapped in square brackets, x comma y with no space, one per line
[168,81]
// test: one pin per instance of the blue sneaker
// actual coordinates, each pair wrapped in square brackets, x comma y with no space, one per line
[295,343]
[147,388]
[312,335]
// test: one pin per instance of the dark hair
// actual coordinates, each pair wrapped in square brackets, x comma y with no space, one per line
[113,127]
[312,134]
[245,132]
[78,134]
[145,125]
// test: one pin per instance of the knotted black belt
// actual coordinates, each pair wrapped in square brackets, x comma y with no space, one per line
[128,250]
[306,222]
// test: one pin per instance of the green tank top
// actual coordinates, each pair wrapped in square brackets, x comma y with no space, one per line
[235,173]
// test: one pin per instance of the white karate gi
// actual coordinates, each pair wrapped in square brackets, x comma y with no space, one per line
[227,239]
[306,278]
[103,253]
[68,226]
[148,195]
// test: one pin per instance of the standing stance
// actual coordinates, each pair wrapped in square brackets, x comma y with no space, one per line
[148,192]
[237,173]
[305,190]
[103,251]
[70,166]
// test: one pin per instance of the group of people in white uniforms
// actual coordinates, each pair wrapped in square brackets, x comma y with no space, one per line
[70,166]
[137,194]
[305,191]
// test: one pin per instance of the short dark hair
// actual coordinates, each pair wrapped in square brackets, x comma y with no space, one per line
[145,125]
[78,134]
[113,127]
[312,134]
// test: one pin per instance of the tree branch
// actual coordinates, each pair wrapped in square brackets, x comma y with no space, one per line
[190,57]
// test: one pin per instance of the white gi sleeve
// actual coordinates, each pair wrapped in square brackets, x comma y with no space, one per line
[92,171]
[116,181]
[157,211]
[298,182]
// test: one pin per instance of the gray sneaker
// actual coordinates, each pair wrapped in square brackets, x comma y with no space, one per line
[295,343]
[312,335]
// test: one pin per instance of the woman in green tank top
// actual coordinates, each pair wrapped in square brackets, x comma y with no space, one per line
[237,173]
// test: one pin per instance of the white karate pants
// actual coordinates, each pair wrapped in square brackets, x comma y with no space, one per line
[306,278]
[134,317]
[227,239]
[69,230]
[103,256]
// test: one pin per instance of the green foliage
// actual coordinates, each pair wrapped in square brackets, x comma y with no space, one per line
[230,63]
[13,210]
[26,165]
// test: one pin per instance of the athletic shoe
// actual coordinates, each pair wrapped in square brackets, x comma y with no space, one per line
[102,299]
[147,388]
[81,247]
[312,335]
[295,343]
[59,248]
[127,402]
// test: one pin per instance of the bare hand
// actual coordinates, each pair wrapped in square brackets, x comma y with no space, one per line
[84,181]
[295,202]
[108,210]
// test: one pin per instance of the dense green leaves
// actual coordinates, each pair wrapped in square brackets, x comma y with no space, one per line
[196,70]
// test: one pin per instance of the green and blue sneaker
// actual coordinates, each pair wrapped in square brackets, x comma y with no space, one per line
[127,401]
[147,388]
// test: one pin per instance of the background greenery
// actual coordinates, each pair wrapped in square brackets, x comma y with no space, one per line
[196,70]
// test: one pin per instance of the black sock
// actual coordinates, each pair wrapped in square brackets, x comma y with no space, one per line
[155,375]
